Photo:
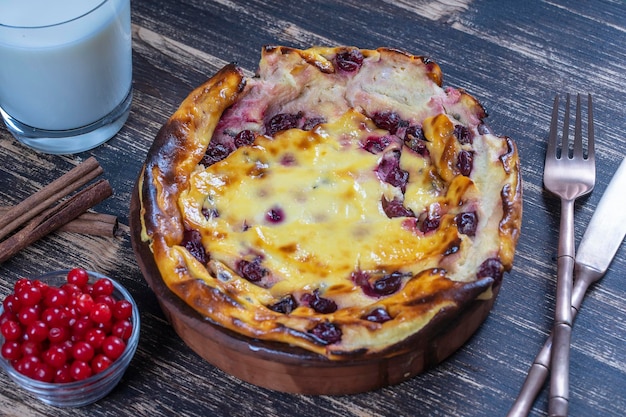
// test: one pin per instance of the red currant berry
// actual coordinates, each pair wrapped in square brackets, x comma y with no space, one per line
[103,286]
[63,374]
[56,297]
[43,287]
[95,337]
[56,317]
[11,330]
[71,289]
[88,289]
[84,304]
[101,313]
[11,303]
[122,329]
[100,362]
[83,351]
[78,276]
[11,350]
[37,331]
[106,327]
[44,372]
[21,283]
[55,356]
[106,299]
[28,315]
[80,328]
[67,346]
[80,370]
[30,348]
[122,310]
[28,365]
[113,347]
[58,334]
[7,315]
[29,295]
[18,365]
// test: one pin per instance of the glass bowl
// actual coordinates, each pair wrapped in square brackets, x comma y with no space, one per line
[89,390]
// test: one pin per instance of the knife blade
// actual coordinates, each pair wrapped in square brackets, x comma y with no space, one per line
[597,248]
[607,227]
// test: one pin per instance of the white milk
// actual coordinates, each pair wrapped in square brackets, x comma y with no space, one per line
[64,64]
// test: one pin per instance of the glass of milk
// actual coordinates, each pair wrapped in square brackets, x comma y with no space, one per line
[65,72]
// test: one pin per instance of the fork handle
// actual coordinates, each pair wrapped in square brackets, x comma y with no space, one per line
[562,332]
[538,372]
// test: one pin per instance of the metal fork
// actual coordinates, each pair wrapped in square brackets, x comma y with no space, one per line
[568,174]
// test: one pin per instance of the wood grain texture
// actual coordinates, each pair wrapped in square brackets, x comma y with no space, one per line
[513,56]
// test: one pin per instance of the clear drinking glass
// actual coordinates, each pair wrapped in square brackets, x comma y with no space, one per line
[65,72]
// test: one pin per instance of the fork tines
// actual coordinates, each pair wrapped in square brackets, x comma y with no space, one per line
[575,149]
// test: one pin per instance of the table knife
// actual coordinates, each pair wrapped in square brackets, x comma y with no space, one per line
[596,250]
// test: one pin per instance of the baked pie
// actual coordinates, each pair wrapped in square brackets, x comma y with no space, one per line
[338,201]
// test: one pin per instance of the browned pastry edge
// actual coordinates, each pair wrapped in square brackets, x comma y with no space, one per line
[170,156]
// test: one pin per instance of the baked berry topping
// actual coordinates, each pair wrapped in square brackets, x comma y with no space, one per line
[215,153]
[376,144]
[465,162]
[491,267]
[394,208]
[466,223]
[311,122]
[388,120]
[360,278]
[376,287]
[320,304]
[282,121]
[463,135]
[431,219]
[415,140]
[388,284]
[326,332]
[286,305]
[390,172]
[453,248]
[244,138]
[275,215]
[251,270]
[349,61]
[288,160]
[378,315]
[210,213]
[192,241]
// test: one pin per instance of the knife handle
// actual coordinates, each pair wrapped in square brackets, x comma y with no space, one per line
[538,372]
[537,375]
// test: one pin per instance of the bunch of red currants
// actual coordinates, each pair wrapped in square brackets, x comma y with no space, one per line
[67,333]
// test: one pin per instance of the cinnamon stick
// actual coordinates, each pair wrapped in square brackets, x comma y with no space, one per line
[95,224]
[54,218]
[99,225]
[48,195]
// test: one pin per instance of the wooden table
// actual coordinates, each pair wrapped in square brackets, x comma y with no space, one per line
[512,55]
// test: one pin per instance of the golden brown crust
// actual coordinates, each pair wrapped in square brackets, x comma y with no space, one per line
[178,147]
[442,275]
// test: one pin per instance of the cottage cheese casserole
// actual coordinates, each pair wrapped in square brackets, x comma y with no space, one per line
[338,201]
